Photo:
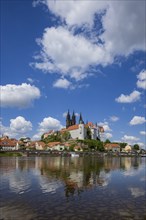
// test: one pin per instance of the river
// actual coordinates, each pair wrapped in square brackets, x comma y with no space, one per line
[66,188]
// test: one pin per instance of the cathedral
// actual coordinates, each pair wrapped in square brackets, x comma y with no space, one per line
[72,120]
[81,130]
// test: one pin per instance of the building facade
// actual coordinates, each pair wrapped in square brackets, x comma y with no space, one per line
[81,130]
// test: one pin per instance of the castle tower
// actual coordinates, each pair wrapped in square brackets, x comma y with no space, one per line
[81,119]
[81,132]
[68,120]
[73,119]
[81,128]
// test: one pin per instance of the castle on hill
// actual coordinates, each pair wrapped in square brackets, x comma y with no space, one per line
[81,130]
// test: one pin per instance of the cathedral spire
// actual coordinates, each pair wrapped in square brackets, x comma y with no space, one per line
[81,119]
[73,118]
[68,119]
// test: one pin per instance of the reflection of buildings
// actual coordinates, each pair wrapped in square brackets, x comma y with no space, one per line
[74,174]
[77,173]
[82,173]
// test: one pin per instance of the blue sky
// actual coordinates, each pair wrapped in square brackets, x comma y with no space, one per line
[55,57]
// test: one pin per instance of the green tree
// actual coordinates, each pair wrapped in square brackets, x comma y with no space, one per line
[42,137]
[71,147]
[122,145]
[53,138]
[107,141]
[100,146]
[136,147]
[88,133]
[66,136]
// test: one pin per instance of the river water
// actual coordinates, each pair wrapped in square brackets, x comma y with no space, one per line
[66,188]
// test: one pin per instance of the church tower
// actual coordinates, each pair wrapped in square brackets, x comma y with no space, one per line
[68,120]
[81,128]
[73,119]
[81,119]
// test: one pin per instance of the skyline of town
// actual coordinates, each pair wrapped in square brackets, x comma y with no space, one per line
[55,57]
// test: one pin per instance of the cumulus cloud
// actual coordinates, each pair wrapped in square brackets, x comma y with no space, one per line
[119,24]
[129,138]
[141,83]
[137,120]
[107,130]
[105,125]
[71,13]
[62,83]
[18,127]
[114,118]
[20,96]
[64,114]
[46,125]
[143,132]
[133,97]
[49,124]
[107,135]
[69,54]
[141,144]
[73,54]
[118,21]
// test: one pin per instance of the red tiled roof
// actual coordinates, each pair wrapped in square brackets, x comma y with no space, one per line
[111,145]
[73,127]
[90,124]
[51,144]
[63,130]
[8,142]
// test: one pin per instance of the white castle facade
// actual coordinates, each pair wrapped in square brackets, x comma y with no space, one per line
[82,131]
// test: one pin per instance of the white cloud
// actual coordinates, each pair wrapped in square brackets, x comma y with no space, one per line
[137,120]
[49,124]
[70,55]
[46,125]
[21,96]
[18,127]
[77,114]
[133,97]
[64,114]
[119,24]
[72,13]
[141,83]
[114,118]
[141,144]
[73,55]
[30,80]
[143,132]
[62,83]
[105,125]
[107,135]
[130,139]
[120,37]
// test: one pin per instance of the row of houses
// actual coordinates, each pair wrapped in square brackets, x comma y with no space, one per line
[7,144]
